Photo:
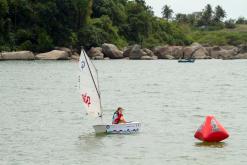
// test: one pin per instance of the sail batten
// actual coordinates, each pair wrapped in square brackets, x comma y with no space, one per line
[89,86]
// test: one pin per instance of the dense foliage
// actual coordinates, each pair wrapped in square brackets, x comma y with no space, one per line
[208,18]
[123,22]
[40,25]
[208,27]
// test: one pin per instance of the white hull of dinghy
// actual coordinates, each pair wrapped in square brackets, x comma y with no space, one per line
[131,127]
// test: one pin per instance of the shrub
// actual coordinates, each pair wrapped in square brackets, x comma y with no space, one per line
[44,42]
[230,24]
[27,45]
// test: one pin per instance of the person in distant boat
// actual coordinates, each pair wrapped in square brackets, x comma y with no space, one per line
[118,116]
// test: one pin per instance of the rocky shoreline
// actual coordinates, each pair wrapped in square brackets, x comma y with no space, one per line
[135,52]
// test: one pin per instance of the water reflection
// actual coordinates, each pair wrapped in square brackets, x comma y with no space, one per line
[91,141]
[211,144]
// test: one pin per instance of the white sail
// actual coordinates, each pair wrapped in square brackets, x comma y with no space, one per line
[89,86]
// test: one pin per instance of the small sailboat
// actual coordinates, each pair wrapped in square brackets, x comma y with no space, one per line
[188,60]
[90,97]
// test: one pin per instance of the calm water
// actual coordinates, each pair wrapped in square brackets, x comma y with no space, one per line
[42,120]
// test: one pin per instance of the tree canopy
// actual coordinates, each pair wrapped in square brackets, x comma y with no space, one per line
[41,25]
[167,12]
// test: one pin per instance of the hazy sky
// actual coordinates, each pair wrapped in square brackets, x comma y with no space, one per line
[233,8]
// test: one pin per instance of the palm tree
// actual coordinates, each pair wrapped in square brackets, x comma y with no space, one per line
[167,12]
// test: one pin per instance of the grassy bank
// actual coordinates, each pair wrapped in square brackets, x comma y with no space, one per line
[235,36]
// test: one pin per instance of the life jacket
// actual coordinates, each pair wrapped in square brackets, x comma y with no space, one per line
[116,117]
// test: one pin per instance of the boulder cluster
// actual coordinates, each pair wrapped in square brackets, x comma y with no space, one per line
[136,52]
[60,53]
[197,51]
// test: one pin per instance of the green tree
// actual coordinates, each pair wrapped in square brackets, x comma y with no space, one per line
[241,20]
[219,14]
[139,23]
[181,18]
[207,15]
[113,8]
[167,12]
[44,42]
[230,24]
[99,31]
[39,25]
[3,8]
[82,15]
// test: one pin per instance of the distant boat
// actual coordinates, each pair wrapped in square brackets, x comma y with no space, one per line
[90,96]
[189,60]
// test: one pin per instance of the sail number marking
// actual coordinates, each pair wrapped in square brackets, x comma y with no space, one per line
[86,99]
[82,65]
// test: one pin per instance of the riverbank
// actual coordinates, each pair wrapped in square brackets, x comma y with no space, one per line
[136,52]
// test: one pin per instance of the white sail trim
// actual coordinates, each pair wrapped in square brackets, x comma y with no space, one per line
[89,86]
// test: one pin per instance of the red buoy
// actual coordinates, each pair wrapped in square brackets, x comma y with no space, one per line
[211,131]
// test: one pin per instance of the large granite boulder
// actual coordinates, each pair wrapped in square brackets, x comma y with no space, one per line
[201,53]
[168,52]
[96,53]
[75,54]
[149,58]
[126,51]
[111,51]
[69,51]
[146,58]
[217,52]
[229,47]
[195,51]
[148,52]
[240,56]
[75,57]
[106,58]
[242,48]
[136,53]
[20,55]
[53,55]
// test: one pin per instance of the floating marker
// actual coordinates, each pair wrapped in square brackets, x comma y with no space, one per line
[211,131]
